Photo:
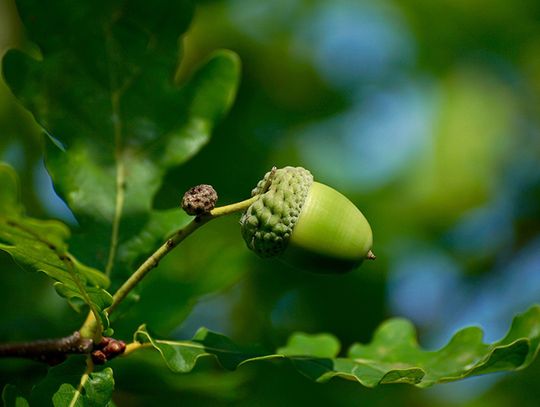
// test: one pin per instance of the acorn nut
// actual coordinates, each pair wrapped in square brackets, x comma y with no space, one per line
[306,224]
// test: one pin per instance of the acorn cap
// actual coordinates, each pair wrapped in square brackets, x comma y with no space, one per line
[306,224]
[268,223]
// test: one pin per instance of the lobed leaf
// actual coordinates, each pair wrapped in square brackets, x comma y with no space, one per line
[107,95]
[393,356]
[40,245]
[182,356]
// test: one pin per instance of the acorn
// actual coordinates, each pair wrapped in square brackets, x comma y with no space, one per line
[306,224]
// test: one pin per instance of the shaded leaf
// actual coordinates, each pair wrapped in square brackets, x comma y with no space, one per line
[101,298]
[12,398]
[98,391]
[107,95]
[182,284]
[393,356]
[161,223]
[62,381]
[40,245]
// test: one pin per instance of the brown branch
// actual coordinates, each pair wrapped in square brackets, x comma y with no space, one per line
[50,351]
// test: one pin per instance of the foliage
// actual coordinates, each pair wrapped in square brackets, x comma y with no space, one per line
[41,246]
[108,155]
[392,357]
[103,82]
[69,384]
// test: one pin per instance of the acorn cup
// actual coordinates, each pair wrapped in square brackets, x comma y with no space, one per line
[306,224]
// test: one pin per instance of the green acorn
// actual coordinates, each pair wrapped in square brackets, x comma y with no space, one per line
[306,224]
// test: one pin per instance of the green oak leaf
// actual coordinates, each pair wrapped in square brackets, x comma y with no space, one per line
[107,96]
[320,345]
[99,298]
[62,381]
[393,356]
[182,356]
[98,391]
[40,245]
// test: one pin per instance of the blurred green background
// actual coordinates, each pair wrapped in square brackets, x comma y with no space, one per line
[425,114]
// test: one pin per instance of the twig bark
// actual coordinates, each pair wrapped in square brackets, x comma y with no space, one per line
[55,351]
[50,351]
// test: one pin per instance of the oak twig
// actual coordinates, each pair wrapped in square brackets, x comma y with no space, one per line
[50,351]
[89,327]
[55,351]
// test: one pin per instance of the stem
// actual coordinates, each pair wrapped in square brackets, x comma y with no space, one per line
[90,328]
[153,261]
[134,346]
[51,351]
[120,181]
[93,311]
[84,379]
[54,351]
[370,255]
[170,244]
[232,208]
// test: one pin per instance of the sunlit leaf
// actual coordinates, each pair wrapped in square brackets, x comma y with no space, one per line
[107,95]
[321,345]
[393,356]
[40,245]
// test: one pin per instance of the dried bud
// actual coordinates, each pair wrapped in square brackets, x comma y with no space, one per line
[114,348]
[98,357]
[107,349]
[104,342]
[199,199]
